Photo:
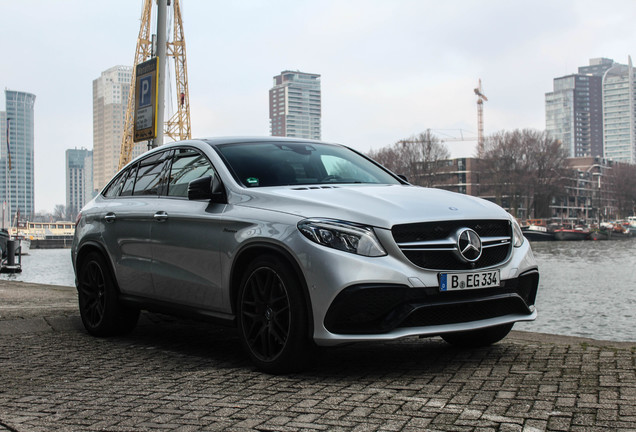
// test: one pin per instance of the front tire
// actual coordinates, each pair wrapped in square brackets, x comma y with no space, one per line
[100,310]
[478,338]
[272,316]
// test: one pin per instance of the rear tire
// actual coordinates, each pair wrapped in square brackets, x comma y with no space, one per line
[272,316]
[478,338]
[102,313]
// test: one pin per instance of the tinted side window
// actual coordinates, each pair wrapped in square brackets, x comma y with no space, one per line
[129,183]
[187,165]
[151,174]
[115,187]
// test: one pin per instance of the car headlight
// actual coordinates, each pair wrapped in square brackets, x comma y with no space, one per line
[341,235]
[517,234]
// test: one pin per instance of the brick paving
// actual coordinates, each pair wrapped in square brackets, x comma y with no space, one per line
[181,375]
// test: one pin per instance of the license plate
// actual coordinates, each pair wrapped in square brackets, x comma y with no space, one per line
[466,281]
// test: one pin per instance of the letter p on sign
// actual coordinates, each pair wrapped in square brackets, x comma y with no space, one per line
[145,91]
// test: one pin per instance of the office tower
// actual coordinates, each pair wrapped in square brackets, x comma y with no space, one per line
[592,112]
[597,66]
[619,121]
[79,180]
[16,163]
[110,100]
[295,105]
[573,113]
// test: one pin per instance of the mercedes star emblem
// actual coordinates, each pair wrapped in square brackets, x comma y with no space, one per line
[468,245]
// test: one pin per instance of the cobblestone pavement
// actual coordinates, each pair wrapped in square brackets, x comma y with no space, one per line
[182,375]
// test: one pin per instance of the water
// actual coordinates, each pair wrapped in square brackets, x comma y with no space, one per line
[586,288]
[45,266]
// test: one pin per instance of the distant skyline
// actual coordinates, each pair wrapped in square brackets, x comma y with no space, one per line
[391,69]
[295,105]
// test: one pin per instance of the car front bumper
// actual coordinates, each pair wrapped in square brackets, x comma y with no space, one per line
[358,298]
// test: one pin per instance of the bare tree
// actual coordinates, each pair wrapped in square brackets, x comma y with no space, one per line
[547,159]
[416,157]
[430,151]
[388,157]
[71,214]
[522,168]
[502,168]
[623,188]
[59,212]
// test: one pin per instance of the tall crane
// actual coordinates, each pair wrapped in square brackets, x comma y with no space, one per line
[481,97]
[178,126]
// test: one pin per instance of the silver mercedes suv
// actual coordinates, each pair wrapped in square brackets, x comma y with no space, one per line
[299,244]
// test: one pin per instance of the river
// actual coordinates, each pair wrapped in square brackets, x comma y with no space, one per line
[586,288]
[45,266]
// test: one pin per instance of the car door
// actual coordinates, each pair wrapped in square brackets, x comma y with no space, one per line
[125,232]
[185,238]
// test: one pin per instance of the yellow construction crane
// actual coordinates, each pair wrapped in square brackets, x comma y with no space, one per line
[481,97]
[178,126]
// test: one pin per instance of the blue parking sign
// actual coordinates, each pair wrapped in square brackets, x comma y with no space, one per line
[145,126]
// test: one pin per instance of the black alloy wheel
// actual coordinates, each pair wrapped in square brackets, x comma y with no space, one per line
[92,287]
[100,310]
[272,316]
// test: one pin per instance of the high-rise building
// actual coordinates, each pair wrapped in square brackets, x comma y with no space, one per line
[295,105]
[592,112]
[619,121]
[16,163]
[597,66]
[573,110]
[79,179]
[110,100]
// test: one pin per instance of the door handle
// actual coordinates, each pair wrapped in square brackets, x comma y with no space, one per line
[110,217]
[161,216]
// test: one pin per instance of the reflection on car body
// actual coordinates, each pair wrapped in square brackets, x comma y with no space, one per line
[299,244]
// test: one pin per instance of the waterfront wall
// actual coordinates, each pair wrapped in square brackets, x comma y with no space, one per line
[51,243]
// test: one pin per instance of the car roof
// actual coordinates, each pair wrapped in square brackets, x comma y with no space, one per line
[255,139]
[215,141]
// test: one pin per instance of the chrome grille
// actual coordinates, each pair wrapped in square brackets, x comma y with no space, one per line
[433,245]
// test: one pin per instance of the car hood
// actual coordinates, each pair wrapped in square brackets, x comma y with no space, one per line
[375,205]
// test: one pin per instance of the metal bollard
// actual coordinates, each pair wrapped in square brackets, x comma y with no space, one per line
[11,244]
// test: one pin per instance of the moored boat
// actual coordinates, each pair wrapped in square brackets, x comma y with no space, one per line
[537,233]
[569,234]
[622,230]
[600,234]
[4,237]
[24,244]
[618,230]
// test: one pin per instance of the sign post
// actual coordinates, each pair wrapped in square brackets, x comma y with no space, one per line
[146,85]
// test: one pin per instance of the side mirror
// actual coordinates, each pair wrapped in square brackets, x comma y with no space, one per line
[206,188]
[403,177]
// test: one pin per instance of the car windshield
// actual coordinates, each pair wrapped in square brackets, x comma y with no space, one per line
[288,163]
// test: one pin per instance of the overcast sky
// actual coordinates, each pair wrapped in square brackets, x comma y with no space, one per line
[390,68]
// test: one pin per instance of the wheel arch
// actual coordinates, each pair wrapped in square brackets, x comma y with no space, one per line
[248,254]
[84,250]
